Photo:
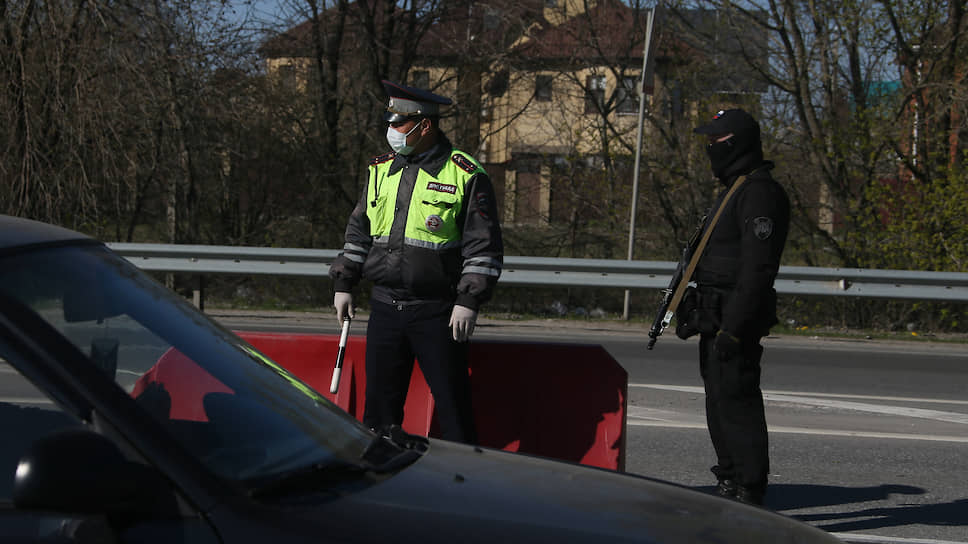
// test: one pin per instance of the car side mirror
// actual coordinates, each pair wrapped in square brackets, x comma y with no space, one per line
[79,471]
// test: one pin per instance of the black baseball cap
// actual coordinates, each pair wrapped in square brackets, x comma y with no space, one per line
[735,121]
[406,102]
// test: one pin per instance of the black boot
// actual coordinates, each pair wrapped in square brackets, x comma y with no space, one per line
[750,495]
[726,488]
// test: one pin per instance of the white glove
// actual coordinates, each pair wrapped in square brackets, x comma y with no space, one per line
[462,321]
[344,306]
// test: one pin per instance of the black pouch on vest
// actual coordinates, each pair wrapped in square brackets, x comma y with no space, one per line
[686,314]
[709,311]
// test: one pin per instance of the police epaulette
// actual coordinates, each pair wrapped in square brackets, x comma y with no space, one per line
[464,163]
[382,158]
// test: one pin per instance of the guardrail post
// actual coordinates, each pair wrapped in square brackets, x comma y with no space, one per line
[198,293]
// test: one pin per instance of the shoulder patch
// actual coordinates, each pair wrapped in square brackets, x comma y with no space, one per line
[382,158]
[463,162]
[763,227]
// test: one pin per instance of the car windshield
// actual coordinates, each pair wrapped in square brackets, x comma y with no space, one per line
[241,414]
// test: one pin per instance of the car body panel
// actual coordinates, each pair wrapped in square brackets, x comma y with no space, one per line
[507,494]
[17,232]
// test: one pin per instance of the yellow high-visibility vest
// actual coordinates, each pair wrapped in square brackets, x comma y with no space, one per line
[434,205]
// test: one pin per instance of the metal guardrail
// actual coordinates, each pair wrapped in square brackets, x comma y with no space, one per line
[798,280]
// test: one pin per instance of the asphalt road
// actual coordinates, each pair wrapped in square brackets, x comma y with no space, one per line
[868,439]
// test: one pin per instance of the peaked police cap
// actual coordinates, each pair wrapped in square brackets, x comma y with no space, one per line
[408,102]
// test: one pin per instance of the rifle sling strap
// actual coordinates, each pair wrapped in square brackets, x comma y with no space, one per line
[697,253]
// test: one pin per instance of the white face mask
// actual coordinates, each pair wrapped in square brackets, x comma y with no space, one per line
[398,140]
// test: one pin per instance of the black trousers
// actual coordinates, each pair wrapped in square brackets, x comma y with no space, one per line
[734,413]
[395,334]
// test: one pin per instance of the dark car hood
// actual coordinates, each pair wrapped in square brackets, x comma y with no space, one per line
[459,493]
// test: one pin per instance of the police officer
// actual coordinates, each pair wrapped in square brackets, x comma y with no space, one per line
[425,232]
[735,303]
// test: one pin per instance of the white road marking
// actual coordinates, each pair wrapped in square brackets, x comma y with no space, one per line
[26,400]
[808,399]
[874,397]
[635,422]
[902,411]
[857,537]
[649,417]
[696,389]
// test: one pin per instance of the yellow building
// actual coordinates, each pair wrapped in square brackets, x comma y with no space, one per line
[546,96]
[564,88]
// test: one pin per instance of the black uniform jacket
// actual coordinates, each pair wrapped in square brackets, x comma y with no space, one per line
[742,256]
[402,273]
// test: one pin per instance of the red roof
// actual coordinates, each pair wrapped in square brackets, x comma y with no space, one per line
[610,30]
[482,30]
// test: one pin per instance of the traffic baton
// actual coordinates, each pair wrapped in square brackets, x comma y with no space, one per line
[334,385]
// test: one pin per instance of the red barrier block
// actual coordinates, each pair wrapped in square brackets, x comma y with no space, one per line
[565,401]
[184,395]
[312,357]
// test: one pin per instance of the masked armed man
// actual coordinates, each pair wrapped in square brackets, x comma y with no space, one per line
[734,304]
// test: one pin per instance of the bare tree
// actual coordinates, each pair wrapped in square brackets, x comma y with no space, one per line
[108,110]
[924,208]
[48,59]
[844,81]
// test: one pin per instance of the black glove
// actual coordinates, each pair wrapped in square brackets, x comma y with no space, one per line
[726,345]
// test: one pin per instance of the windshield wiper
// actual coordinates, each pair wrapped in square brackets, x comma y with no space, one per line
[315,477]
[388,444]
[318,476]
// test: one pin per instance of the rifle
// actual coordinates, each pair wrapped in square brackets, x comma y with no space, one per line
[672,295]
[690,258]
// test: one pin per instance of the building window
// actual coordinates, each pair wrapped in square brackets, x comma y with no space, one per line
[594,94]
[627,99]
[287,76]
[492,18]
[674,103]
[420,79]
[498,84]
[542,88]
[527,193]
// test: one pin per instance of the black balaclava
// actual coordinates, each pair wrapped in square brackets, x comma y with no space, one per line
[735,155]
[740,153]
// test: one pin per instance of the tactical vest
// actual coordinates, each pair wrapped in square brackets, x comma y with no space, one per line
[720,263]
[434,205]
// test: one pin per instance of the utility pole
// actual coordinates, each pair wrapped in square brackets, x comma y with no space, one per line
[638,146]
